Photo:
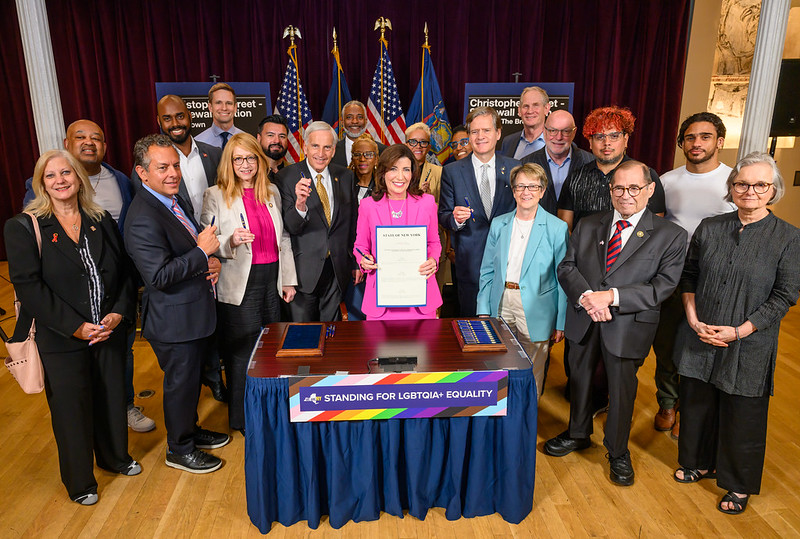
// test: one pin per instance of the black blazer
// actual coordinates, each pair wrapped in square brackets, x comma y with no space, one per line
[645,274]
[340,157]
[209,155]
[312,238]
[54,289]
[178,300]
[579,158]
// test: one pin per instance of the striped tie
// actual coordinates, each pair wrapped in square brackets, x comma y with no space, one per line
[615,245]
[176,209]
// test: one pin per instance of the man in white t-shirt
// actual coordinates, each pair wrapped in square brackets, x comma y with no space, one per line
[693,192]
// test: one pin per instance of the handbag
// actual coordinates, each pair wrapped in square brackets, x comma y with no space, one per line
[23,361]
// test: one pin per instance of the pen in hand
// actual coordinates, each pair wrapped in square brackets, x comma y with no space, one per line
[470,209]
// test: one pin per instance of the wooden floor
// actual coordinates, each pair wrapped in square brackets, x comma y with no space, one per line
[573,495]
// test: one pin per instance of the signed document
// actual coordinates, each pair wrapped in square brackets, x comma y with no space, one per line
[399,252]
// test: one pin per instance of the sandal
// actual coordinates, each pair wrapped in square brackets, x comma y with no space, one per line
[692,475]
[739,504]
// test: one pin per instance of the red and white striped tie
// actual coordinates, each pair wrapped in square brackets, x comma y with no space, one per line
[615,245]
[176,209]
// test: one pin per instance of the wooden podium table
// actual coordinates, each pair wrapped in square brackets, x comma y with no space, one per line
[353,470]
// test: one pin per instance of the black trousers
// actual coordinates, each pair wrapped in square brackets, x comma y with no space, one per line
[322,305]
[622,386]
[181,363]
[240,325]
[723,432]
[86,394]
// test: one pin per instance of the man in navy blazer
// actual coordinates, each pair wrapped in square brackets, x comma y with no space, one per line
[474,191]
[559,156]
[322,237]
[619,267]
[173,256]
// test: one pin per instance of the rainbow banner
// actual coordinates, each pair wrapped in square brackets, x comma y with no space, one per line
[357,397]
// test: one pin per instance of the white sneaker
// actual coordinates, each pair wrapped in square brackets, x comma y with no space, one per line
[139,422]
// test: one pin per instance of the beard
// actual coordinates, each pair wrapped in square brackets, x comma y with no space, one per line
[275,151]
[697,160]
[355,134]
[609,160]
[179,139]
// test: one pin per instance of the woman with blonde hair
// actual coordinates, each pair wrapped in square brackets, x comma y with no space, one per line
[78,289]
[256,255]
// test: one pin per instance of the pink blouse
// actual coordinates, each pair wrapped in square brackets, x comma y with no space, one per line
[265,246]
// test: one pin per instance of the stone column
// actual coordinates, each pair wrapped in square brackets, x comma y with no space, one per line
[41,69]
[764,76]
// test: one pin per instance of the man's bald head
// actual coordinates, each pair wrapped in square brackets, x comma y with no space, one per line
[87,142]
[559,132]
[174,118]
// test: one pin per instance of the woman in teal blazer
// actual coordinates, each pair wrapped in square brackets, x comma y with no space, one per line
[518,279]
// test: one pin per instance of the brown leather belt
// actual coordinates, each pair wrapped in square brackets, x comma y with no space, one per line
[512,286]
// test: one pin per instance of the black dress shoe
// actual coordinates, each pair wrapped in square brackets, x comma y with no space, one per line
[208,439]
[218,390]
[564,445]
[621,469]
[195,462]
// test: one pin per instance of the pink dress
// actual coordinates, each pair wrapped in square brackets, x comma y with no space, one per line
[415,211]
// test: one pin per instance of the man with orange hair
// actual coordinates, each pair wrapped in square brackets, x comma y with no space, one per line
[586,190]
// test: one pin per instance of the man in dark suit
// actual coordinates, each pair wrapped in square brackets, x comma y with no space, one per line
[619,267]
[534,106]
[173,256]
[475,191]
[559,156]
[199,162]
[354,118]
[319,212]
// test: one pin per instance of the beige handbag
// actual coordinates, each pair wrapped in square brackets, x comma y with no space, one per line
[23,361]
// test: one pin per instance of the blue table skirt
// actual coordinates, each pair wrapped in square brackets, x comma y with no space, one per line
[353,470]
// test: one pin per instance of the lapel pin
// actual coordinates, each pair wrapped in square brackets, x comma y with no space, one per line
[92,228]
[502,170]
[55,237]
[640,234]
[336,179]
[270,204]
[602,243]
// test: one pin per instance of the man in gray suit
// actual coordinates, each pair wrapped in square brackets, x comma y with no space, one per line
[319,213]
[619,267]
[559,156]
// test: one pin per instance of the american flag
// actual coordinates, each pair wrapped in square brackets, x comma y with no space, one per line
[293,106]
[390,126]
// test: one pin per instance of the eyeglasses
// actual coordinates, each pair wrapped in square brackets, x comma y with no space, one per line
[759,188]
[633,190]
[422,143]
[613,137]
[564,132]
[250,159]
[532,188]
[460,142]
[364,155]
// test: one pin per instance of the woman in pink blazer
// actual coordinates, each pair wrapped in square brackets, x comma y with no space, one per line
[397,201]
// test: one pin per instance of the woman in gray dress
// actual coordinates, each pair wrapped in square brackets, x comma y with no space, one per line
[741,277]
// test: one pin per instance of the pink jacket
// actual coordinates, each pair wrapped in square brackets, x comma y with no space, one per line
[420,211]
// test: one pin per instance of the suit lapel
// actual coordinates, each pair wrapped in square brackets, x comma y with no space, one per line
[601,239]
[53,232]
[538,231]
[168,217]
[94,236]
[336,194]
[501,189]
[639,236]
[505,245]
